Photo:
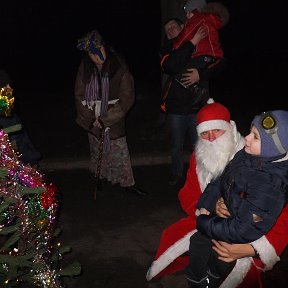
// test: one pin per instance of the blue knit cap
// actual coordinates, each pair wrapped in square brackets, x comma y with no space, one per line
[273,130]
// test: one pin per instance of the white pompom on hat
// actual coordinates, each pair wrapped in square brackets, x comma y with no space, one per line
[213,116]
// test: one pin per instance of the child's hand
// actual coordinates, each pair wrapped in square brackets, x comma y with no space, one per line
[204,211]
[200,34]
[221,209]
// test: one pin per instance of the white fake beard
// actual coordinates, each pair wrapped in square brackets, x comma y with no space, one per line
[212,157]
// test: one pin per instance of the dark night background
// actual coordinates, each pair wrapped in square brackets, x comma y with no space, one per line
[41,36]
[38,47]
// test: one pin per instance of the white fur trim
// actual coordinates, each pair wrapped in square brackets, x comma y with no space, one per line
[213,124]
[173,252]
[268,257]
[266,252]
[210,100]
[239,139]
[238,273]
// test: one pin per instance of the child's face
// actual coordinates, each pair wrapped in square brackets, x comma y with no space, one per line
[253,142]
[189,14]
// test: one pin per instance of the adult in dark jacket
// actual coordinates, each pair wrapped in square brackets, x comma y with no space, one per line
[254,188]
[180,105]
[187,89]
[104,93]
[172,28]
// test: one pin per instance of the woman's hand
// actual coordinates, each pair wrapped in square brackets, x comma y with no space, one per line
[98,123]
[97,128]
[231,252]
[221,209]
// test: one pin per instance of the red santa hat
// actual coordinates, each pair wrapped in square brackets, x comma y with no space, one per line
[213,116]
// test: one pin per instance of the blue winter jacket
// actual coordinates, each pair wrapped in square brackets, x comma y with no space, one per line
[253,189]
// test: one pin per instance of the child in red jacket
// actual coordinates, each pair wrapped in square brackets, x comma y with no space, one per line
[213,16]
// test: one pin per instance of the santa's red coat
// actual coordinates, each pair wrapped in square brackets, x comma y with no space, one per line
[174,243]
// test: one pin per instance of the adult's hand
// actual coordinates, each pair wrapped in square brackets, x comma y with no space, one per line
[190,77]
[230,252]
[97,128]
[221,209]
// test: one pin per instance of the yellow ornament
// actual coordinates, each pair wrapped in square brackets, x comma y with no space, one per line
[6,101]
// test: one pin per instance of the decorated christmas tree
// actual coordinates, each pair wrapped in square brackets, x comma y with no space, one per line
[30,255]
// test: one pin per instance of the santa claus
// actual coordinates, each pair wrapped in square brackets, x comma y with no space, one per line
[218,142]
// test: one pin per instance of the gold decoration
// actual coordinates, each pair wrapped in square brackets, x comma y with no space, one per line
[6,101]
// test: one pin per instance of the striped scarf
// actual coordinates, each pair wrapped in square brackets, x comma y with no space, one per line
[104,108]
